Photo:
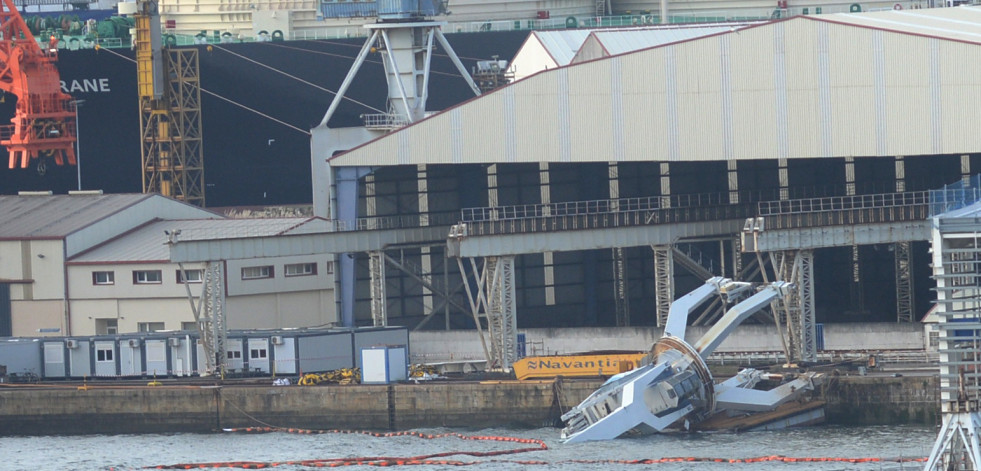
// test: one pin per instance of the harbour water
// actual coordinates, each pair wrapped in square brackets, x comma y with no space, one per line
[129,452]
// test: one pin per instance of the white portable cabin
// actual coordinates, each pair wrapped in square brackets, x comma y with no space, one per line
[22,356]
[258,355]
[182,354]
[234,355]
[156,357]
[379,337]
[79,357]
[284,355]
[104,357]
[384,365]
[130,359]
[54,355]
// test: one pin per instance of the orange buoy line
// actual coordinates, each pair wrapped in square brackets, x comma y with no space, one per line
[332,463]
[539,445]
[431,459]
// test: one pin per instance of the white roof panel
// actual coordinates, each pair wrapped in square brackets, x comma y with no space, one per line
[562,44]
[621,41]
[149,242]
[961,23]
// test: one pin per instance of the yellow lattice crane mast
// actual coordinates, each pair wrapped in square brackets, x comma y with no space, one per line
[170,110]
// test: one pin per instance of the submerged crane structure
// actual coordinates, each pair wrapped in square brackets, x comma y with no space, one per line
[170,110]
[44,122]
[677,385]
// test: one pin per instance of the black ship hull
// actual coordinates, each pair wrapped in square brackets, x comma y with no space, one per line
[258,103]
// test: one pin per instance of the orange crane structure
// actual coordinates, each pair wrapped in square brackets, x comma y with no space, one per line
[44,121]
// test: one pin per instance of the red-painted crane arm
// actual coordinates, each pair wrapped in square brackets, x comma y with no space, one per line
[44,122]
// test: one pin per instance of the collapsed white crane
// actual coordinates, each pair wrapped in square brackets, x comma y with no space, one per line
[677,384]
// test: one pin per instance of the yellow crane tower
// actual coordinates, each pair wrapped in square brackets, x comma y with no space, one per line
[170,110]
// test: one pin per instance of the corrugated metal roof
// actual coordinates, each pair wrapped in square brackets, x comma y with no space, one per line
[56,216]
[728,97]
[621,41]
[960,23]
[149,242]
[562,44]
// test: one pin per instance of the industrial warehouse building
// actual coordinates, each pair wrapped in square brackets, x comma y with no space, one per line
[94,264]
[808,107]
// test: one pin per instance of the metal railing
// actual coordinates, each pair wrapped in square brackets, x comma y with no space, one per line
[843,203]
[384,120]
[955,195]
[584,208]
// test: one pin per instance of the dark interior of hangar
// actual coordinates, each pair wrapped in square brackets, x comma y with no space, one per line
[574,289]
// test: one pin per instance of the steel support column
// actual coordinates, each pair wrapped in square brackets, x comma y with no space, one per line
[663,282]
[493,308]
[796,310]
[376,266]
[787,311]
[621,285]
[805,289]
[904,282]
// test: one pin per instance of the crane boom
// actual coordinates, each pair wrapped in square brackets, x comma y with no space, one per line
[44,121]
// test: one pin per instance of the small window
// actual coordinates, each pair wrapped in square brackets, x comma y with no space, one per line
[257,353]
[300,269]
[189,326]
[150,326]
[103,278]
[254,273]
[106,326]
[193,276]
[330,267]
[234,354]
[103,354]
[145,277]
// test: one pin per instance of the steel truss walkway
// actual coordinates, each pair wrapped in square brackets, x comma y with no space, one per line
[789,230]
[487,240]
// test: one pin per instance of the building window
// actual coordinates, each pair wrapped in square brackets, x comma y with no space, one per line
[257,353]
[255,273]
[300,269]
[234,354]
[106,326]
[189,326]
[103,354]
[330,267]
[193,276]
[103,278]
[145,277]
[150,326]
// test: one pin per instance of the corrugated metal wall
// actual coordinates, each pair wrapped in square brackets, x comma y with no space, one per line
[798,88]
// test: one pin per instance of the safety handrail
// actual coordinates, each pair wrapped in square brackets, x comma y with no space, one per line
[843,203]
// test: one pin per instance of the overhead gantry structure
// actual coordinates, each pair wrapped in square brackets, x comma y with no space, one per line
[677,385]
[406,36]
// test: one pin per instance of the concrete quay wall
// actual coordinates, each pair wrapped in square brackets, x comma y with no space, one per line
[882,400]
[850,400]
[360,407]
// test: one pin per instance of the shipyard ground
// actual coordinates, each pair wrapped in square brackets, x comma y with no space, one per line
[204,407]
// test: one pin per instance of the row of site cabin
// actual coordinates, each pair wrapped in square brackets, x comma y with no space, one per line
[180,353]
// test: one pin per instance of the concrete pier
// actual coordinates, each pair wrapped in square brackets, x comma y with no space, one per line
[67,410]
